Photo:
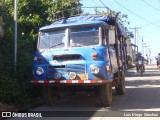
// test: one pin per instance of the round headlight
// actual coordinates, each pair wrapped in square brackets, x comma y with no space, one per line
[94,69]
[39,71]
[57,76]
[72,75]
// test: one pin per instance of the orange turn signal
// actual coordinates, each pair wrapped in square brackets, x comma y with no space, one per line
[94,56]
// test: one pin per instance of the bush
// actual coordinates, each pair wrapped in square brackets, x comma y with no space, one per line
[13,91]
[14,87]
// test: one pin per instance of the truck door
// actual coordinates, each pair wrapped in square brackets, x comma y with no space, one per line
[112,50]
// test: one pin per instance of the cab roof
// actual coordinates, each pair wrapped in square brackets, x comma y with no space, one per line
[85,20]
[59,25]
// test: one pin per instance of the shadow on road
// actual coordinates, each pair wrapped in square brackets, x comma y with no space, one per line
[142,93]
[137,99]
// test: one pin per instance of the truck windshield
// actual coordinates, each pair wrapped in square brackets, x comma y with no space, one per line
[84,36]
[52,39]
[79,36]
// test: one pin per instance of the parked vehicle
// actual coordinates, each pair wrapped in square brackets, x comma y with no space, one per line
[158,60]
[81,53]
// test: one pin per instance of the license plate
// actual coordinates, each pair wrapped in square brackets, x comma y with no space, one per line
[82,76]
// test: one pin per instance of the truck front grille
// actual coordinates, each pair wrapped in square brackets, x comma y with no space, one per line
[77,68]
[67,57]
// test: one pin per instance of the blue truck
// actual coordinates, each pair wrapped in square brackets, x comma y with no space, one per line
[81,53]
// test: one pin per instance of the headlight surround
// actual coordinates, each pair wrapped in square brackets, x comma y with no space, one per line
[57,75]
[94,69]
[72,75]
[39,71]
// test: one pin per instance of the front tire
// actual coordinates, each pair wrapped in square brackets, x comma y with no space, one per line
[141,71]
[49,96]
[120,87]
[105,92]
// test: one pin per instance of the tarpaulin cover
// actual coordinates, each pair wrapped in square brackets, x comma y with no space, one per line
[89,18]
[85,18]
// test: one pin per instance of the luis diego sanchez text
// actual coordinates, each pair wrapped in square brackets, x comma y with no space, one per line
[140,114]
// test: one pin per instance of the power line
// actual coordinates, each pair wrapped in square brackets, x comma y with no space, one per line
[97,4]
[149,23]
[136,14]
[150,5]
[105,6]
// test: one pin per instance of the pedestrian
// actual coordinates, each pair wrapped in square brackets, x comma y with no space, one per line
[158,59]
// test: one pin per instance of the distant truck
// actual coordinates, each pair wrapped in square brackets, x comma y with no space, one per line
[81,53]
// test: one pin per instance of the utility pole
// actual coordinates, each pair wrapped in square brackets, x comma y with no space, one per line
[142,48]
[15,34]
[148,54]
[145,48]
[135,36]
[135,41]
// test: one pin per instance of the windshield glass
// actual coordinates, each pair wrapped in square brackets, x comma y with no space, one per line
[52,39]
[84,36]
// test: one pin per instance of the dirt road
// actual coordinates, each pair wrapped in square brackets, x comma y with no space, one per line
[142,94]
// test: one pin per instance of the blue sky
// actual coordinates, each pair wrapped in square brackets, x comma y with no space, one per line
[144,14]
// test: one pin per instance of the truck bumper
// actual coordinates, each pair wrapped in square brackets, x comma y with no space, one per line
[69,81]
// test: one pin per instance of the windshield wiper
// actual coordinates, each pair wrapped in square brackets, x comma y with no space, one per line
[52,46]
[56,45]
[77,45]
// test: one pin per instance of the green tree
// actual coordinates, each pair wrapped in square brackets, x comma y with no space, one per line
[63,8]
[32,14]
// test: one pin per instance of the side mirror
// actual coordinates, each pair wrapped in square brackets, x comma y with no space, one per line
[112,38]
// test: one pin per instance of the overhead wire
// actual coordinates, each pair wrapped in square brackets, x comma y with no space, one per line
[149,23]
[126,23]
[105,6]
[150,5]
[136,14]
[97,5]
[111,11]
[154,9]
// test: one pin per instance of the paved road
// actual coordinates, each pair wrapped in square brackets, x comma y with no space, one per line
[142,94]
